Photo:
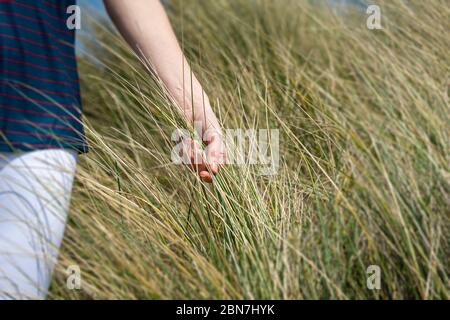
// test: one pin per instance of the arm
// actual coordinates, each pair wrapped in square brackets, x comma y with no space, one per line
[146,27]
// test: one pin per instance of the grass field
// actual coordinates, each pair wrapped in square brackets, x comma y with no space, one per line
[363,178]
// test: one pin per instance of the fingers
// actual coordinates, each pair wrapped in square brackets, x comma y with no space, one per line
[213,158]
[206,176]
[205,163]
[216,154]
[192,155]
[196,160]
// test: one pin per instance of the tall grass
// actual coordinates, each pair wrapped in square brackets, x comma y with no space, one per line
[364,159]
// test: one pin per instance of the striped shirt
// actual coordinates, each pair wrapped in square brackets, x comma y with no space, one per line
[40,104]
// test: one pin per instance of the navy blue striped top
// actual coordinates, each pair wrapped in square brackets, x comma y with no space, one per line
[40,105]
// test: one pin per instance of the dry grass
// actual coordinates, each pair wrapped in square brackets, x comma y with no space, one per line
[364,160]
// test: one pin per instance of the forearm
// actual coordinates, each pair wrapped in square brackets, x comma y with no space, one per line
[146,27]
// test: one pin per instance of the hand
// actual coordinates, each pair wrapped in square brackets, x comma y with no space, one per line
[205,162]
[215,153]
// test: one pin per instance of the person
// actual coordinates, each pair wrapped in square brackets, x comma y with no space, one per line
[41,132]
